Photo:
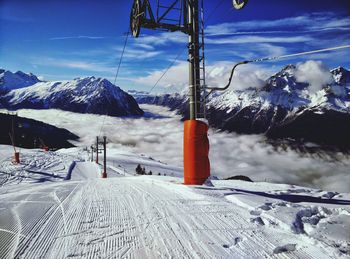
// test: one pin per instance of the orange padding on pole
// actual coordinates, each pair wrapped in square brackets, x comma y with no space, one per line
[17,157]
[196,152]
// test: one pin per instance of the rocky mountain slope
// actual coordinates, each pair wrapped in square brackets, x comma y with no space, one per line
[283,108]
[9,80]
[84,95]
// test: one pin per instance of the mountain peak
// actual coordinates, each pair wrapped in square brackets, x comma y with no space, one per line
[84,95]
[9,80]
[288,68]
[341,75]
[339,70]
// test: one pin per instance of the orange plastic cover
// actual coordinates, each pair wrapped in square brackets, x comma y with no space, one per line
[17,157]
[196,152]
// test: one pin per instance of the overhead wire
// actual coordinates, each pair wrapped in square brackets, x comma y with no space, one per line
[244,62]
[272,59]
[299,54]
[117,73]
[182,50]
[121,56]
[168,68]
[180,53]
[214,10]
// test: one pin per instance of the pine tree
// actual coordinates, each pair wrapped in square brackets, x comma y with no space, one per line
[138,169]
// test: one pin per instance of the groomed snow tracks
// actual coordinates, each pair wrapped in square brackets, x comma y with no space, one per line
[135,217]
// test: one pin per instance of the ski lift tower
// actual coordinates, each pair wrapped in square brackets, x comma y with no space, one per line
[185,16]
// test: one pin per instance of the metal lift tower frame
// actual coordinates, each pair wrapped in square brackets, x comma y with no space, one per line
[189,21]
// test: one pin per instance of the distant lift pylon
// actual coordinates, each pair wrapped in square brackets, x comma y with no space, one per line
[185,16]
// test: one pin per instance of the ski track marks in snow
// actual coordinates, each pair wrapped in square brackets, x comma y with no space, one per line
[140,217]
[156,216]
[36,166]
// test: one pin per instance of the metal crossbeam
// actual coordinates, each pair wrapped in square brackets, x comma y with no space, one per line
[168,10]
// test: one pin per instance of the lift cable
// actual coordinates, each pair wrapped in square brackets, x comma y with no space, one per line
[298,54]
[103,123]
[214,10]
[168,68]
[182,50]
[273,59]
[121,56]
[116,75]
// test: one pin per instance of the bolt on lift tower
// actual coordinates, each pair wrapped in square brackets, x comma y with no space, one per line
[185,16]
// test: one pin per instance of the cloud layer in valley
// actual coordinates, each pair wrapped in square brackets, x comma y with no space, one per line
[230,154]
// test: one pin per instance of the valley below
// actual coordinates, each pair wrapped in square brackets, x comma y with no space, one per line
[159,133]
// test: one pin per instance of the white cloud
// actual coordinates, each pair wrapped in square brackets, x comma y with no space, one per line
[162,38]
[230,154]
[258,39]
[245,76]
[140,53]
[144,46]
[303,23]
[79,37]
[315,73]
[176,79]
[77,64]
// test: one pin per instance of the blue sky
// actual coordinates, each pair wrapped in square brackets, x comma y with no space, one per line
[64,39]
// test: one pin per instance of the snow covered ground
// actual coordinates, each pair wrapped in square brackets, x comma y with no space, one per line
[159,135]
[55,205]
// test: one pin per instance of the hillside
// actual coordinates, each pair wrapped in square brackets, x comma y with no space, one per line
[19,79]
[83,95]
[30,133]
[283,108]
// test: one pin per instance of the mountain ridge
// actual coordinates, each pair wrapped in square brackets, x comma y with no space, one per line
[278,108]
[84,95]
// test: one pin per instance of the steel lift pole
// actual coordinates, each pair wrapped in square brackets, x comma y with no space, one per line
[104,174]
[97,150]
[195,141]
[193,57]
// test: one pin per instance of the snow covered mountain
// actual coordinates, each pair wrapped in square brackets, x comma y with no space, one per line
[284,108]
[9,80]
[173,101]
[84,95]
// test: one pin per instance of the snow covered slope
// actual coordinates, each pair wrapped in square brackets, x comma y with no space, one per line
[9,80]
[84,95]
[157,216]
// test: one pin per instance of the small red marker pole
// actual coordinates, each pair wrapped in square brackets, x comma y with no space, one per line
[96,150]
[104,174]
[17,161]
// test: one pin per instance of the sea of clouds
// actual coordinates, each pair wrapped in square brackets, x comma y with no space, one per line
[159,135]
